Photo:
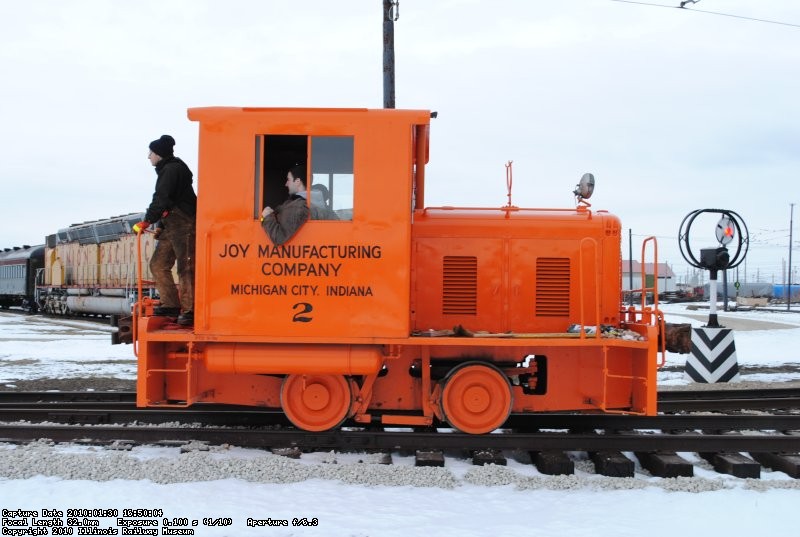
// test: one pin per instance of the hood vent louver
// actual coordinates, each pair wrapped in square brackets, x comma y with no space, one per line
[460,285]
[552,287]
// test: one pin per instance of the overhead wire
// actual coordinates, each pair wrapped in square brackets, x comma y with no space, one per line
[763,266]
[683,7]
[770,240]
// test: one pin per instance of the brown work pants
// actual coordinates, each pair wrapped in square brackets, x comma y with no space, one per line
[176,242]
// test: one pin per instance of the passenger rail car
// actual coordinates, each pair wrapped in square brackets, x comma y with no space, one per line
[396,313]
[18,268]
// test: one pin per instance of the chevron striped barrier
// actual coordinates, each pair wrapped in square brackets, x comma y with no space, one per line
[713,356]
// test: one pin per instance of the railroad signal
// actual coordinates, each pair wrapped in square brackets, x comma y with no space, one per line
[729,227]
[725,230]
[730,230]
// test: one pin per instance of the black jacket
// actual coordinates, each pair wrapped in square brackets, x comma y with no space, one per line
[173,190]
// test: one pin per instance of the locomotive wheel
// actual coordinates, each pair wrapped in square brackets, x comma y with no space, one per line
[316,402]
[476,398]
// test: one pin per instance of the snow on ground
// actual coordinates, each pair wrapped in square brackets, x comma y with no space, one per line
[33,347]
[351,495]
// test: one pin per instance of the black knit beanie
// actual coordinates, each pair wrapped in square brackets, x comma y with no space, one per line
[163,146]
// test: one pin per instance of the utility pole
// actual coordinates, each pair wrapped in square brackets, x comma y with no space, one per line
[391,12]
[789,272]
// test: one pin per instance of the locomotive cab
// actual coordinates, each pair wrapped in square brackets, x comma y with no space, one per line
[344,279]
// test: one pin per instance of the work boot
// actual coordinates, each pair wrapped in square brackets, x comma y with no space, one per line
[164,311]
[186,319]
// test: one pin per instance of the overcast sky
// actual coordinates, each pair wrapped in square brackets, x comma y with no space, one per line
[671,109]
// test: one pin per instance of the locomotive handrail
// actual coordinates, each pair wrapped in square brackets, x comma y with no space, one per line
[654,289]
[663,339]
[578,210]
[137,310]
[659,317]
[39,278]
[593,243]
[653,315]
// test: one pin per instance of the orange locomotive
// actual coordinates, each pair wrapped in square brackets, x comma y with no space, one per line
[393,313]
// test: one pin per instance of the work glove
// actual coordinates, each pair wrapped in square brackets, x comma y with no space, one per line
[141,226]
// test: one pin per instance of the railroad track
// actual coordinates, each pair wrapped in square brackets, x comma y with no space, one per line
[656,451]
[87,408]
[773,440]
[668,401]
[716,400]
[97,318]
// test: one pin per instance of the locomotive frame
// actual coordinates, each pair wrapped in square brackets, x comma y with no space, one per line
[396,313]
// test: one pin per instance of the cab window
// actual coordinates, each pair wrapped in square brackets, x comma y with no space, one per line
[332,173]
[329,163]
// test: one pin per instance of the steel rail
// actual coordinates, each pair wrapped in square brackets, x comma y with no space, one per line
[126,413]
[674,395]
[90,408]
[664,396]
[247,416]
[386,440]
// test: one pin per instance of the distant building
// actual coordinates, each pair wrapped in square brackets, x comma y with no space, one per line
[666,278]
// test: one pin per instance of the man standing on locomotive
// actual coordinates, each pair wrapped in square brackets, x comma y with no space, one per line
[175,206]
